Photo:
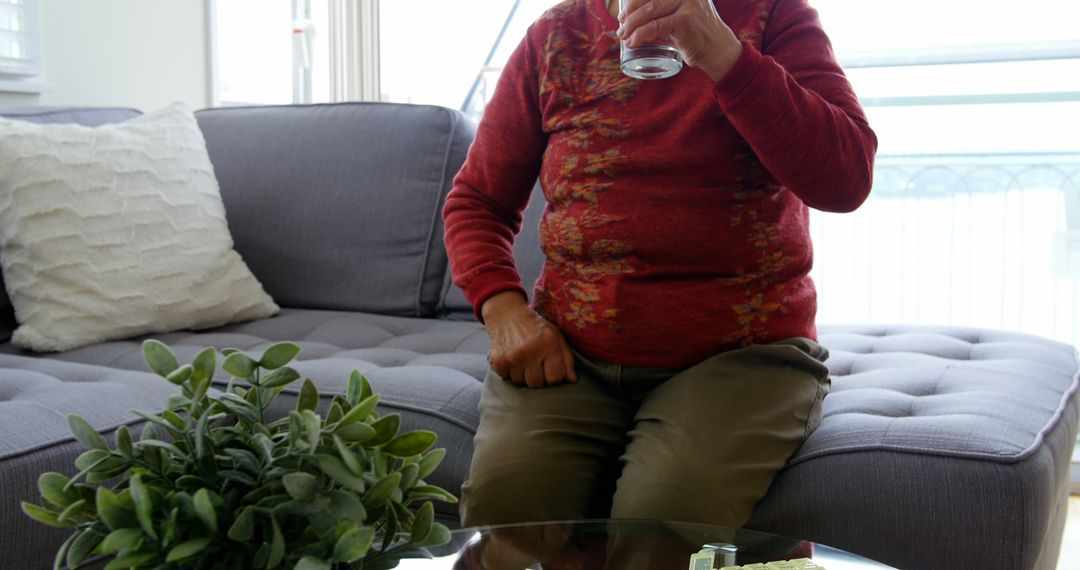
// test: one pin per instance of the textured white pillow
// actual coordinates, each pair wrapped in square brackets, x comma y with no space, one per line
[117,231]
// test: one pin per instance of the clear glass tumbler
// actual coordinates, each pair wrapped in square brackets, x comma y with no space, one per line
[657,60]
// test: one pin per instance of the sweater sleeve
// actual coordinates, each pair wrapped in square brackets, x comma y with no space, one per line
[483,211]
[792,103]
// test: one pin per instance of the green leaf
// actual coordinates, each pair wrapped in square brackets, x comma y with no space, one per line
[180,375]
[421,526]
[352,391]
[265,446]
[280,377]
[85,433]
[438,536]
[409,474]
[306,508]
[261,556]
[238,476]
[354,544]
[431,492]
[204,509]
[277,545]
[123,441]
[301,486]
[148,432]
[177,401]
[174,420]
[240,408]
[132,560]
[112,512]
[346,506]
[336,470]
[309,397]
[171,529]
[204,364]
[187,549]
[386,428]
[355,433]
[83,546]
[122,539]
[199,435]
[411,443]
[44,515]
[160,421]
[89,459]
[348,456]
[159,357]
[72,510]
[430,461]
[313,428]
[144,505]
[245,460]
[311,563]
[239,365]
[360,411]
[380,492]
[335,413]
[54,489]
[61,554]
[365,386]
[168,447]
[279,355]
[243,528]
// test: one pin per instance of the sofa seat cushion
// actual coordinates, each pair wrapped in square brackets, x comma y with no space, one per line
[427,370]
[966,431]
[958,392]
[36,395]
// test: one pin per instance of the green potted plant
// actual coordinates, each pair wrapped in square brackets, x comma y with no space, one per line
[213,483]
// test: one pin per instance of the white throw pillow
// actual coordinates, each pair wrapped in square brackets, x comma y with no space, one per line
[117,231]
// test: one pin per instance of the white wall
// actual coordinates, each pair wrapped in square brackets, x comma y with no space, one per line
[132,53]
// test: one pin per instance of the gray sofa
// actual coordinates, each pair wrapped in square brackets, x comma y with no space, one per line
[940,447]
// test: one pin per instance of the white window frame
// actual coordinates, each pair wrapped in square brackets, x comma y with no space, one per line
[354,50]
[23,74]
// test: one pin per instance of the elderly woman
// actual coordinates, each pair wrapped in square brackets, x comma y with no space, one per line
[666,366]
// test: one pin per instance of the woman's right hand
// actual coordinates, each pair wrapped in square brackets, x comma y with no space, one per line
[525,348]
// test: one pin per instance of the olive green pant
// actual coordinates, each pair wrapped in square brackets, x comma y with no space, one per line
[698,445]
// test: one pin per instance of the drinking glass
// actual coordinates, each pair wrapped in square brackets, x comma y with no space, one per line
[655,60]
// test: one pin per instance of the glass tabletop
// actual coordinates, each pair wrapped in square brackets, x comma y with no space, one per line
[624,545]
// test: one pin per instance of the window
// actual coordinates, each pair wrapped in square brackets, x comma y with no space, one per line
[977,187]
[423,62]
[20,47]
[270,51]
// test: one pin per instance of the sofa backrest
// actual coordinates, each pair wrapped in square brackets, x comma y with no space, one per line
[335,206]
[528,258]
[338,206]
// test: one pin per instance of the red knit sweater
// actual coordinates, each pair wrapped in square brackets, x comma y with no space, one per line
[676,225]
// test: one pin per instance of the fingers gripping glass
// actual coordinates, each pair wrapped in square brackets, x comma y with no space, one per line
[656,60]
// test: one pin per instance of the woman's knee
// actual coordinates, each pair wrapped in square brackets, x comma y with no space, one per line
[521,490]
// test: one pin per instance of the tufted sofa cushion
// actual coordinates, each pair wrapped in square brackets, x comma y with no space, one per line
[939,447]
[425,369]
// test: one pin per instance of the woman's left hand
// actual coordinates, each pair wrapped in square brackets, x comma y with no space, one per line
[702,37]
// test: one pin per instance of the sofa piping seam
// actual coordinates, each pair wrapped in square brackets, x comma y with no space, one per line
[437,211]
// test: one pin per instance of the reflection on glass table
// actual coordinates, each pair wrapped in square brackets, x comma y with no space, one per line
[626,545]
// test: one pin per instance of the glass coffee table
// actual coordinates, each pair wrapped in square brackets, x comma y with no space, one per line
[628,545]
